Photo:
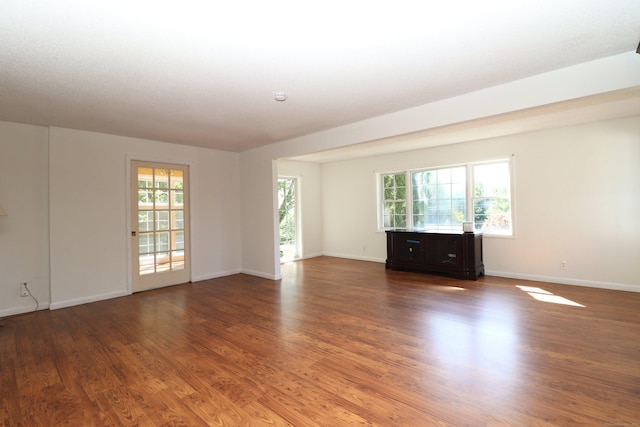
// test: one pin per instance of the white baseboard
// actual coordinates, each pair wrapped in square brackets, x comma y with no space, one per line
[524,276]
[307,256]
[85,300]
[533,277]
[261,274]
[565,281]
[215,275]
[231,272]
[356,257]
[22,310]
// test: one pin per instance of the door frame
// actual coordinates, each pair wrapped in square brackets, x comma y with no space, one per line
[128,206]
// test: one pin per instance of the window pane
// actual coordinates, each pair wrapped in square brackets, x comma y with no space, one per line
[388,181]
[416,178]
[177,220]
[430,178]
[145,177]
[444,206]
[459,175]
[145,220]
[418,193]
[480,206]
[458,191]
[460,204]
[178,240]
[444,221]
[390,194]
[162,241]
[145,243]
[177,198]
[161,177]
[146,264]
[177,260]
[162,220]
[491,203]
[444,191]
[492,180]
[176,179]
[145,199]
[459,210]
[431,191]
[162,198]
[444,176]
[163,261]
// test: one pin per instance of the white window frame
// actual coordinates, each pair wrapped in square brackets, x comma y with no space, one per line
[469,193]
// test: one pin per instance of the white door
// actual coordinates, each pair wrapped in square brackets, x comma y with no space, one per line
[159,225]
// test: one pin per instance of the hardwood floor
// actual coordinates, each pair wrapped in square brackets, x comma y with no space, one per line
[335,343]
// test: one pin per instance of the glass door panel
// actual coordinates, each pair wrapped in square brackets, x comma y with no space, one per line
[160,219]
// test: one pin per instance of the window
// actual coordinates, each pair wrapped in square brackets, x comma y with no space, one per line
[442,199]
[492,198]
[395,200]
[439,198]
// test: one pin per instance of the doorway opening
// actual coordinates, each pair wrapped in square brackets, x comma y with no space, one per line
[289,219]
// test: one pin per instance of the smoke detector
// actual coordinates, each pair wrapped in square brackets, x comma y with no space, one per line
[280,96]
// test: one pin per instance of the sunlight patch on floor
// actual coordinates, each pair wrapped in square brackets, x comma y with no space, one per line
[546,296]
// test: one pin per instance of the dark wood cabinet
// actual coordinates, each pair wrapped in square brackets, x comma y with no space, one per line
[458,254]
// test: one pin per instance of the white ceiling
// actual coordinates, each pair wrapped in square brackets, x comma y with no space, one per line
[204,73]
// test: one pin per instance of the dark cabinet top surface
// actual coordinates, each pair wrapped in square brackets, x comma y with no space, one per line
[456,232]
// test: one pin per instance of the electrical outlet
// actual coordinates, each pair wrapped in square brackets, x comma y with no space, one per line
[563,265]
[24,292]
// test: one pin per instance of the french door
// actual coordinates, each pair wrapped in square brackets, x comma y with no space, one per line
[159,225]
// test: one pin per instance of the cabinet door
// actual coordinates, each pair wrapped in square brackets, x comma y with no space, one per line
[444,252]
[409,249]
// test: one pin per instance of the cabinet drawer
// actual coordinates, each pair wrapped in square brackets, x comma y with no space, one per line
[409,250]
[444,252]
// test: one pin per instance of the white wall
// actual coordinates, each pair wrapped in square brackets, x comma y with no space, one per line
[65,192]
[24,244]
[89,236]
[576,194]
[524,98]
[310,203]
[260,243]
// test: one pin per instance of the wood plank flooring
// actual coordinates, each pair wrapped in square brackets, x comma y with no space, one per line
[335,343]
